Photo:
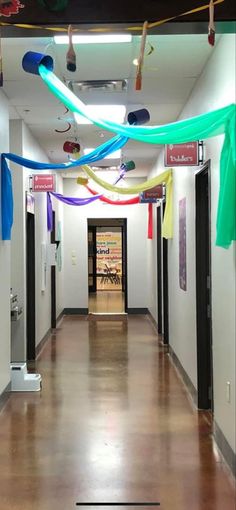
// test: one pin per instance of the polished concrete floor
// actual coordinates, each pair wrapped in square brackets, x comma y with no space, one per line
[104,301]
[113,423]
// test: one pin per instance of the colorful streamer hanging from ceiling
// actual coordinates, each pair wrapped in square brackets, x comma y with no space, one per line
[103,29]
[221,121]
[214,123]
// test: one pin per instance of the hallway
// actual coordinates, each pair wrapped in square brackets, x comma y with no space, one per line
[113,423]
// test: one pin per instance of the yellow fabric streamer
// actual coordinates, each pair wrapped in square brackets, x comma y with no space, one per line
[107,29]
[164,177]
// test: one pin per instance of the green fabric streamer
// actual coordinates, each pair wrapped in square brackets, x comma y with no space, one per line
[217,122]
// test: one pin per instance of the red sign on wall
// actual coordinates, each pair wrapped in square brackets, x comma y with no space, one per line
[155,192]
[182,154]
[43,182]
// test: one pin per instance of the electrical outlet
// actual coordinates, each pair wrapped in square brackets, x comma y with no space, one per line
[228,392]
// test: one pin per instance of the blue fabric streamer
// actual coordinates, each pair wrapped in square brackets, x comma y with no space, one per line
[6,184]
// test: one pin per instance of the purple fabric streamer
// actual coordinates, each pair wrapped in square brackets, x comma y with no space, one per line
[49,213]
[66,200]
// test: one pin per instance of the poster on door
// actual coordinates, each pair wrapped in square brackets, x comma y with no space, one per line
[109,252]
[182,245]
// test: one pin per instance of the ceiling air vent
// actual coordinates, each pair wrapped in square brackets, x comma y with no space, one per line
[103,85]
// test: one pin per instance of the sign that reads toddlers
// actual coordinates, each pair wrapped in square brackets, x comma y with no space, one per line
[182,154]
[43,182]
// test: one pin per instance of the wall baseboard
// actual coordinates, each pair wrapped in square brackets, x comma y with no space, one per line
[5,395]
[153,321]
[42,342]
[60,316]
[225,448]
[186,379]
[137,311]
[75,311]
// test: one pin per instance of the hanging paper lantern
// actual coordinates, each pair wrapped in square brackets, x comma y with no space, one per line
[54,5]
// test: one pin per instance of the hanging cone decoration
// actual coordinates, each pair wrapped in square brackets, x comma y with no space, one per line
[82,180]
[211,26]
[70,56]
[138,82]
[71,147]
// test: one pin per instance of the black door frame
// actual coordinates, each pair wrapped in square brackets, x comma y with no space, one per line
[124,263]
[53,276]
[93,255]
[162,278]
[165,292]
[159,271]
[30,287]
[203,288]
[123,226]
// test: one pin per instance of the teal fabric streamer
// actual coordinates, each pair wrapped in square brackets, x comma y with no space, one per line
[217,122]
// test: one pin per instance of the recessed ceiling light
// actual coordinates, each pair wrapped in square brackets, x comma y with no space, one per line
[94,39]
[114,155]
[116,112]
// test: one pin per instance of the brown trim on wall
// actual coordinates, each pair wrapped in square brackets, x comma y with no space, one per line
[5,395]
[186,379]
[227,452]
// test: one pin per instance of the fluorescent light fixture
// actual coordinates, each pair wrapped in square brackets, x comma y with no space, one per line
[94,39]
[114,155]
[115,112]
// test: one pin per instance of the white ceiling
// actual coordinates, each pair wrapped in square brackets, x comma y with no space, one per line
[169,75]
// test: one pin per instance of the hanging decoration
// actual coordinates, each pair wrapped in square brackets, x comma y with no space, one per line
[71,147]
[99,29]
[125,167]
[129,201]
[211,26]
[83,181]
[9,7]
[221,121]
[138,82]
[64,130]
[214,123]
[70,56]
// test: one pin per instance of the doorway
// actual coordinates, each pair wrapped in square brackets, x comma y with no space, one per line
[30,287]
[203,289]
[162,278]
[107,265]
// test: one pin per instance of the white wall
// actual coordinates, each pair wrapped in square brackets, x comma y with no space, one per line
[4,266]
[214,89]
[23,143]
[75,240]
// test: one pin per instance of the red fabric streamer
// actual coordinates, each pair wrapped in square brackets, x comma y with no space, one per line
[129,201]
[150,221]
